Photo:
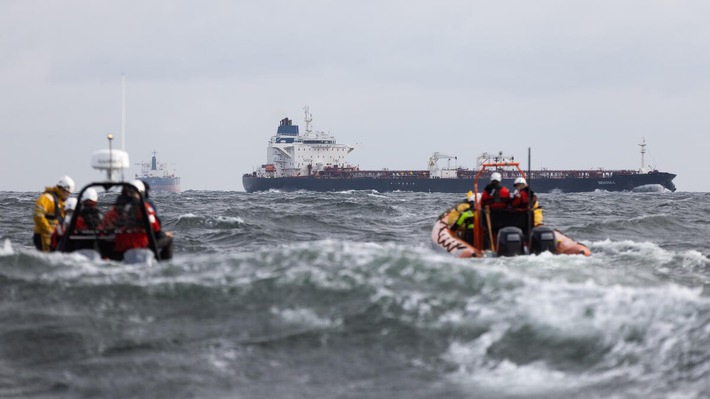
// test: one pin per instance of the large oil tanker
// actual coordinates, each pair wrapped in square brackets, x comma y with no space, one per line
[315,162]
[159,176]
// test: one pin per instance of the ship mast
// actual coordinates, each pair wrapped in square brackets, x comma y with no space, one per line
[309,119]
[643,152]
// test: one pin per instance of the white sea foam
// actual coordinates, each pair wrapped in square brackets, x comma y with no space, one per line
[304,317]
[6,248]
[651,188]
[229,219]
[653,325]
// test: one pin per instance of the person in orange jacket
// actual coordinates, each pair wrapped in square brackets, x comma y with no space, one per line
[89,217]
[495,195]
[87,220]
[523,199]
[127,220]
[164,239]
[49,212]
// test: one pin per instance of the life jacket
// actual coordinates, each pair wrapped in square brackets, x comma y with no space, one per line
[466,219]
[89,218]
[58,215]
[495,196]
[522,202]
[462,221]
[59,231]
[522,199]
[127,220]
[455,212]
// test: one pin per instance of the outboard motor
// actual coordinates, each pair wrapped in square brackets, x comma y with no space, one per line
[542,239]
[510,242]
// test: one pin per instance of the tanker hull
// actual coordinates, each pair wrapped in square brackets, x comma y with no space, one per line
[565,185]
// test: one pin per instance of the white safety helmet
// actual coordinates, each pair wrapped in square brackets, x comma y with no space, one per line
[70,204]
[90,195]
[520,180]
[66,183]
[495,176]
[139,185]
[470,196]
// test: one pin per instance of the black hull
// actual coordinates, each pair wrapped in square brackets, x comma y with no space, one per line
[567,185]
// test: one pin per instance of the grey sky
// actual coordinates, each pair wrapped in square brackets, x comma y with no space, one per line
[581,82]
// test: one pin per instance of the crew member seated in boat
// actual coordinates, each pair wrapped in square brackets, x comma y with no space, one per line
[520,200]
[88,219]
[49,212]
[494,195]
[164,239]
[126,219]
[69,206]
[462,218]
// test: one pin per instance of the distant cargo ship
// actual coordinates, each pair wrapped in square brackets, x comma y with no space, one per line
[158,176]
[315,162]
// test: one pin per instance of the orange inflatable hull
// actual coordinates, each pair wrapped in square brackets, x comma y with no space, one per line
[566,245]
[447,239]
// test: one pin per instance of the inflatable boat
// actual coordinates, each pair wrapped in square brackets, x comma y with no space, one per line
[93,232]
[99,240]
[499,232]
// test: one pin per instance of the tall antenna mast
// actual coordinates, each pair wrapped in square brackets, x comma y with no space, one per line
[309,119]
[643,152]
[123,112]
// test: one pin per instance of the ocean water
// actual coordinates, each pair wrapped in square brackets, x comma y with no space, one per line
[341,295]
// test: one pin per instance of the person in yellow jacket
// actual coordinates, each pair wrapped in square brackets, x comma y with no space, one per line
[462,218]
[49,211]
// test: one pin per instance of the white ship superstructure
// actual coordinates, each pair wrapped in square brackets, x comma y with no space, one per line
[292,154]
[159,175]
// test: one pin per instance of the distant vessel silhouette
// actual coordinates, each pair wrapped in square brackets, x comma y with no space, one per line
[314,161]
[158,176]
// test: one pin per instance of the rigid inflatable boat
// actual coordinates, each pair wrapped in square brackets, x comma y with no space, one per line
[500,232]
[97,240]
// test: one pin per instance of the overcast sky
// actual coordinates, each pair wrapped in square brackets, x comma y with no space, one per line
[580,82]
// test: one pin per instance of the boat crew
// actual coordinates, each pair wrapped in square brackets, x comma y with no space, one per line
[69,206]
[89,216]
[163,239]
[49,212]
[88,220]
[520,200]
[495,195]
[126,218]
[463,218]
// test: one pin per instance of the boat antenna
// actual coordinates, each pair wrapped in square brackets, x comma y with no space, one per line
[123,116]
[123,112]
[110,157]
[643,152]
[309,119]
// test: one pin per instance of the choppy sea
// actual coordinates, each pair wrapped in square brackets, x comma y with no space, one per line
[341,295]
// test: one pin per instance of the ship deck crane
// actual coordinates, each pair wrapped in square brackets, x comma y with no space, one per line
[436,157]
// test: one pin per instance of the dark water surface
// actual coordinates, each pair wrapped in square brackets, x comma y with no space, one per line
[340,295]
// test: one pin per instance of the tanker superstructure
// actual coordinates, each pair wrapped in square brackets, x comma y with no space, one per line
[159,176]
[315,162]
[290,154]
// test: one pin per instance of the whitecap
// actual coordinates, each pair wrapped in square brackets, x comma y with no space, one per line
[6,248]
